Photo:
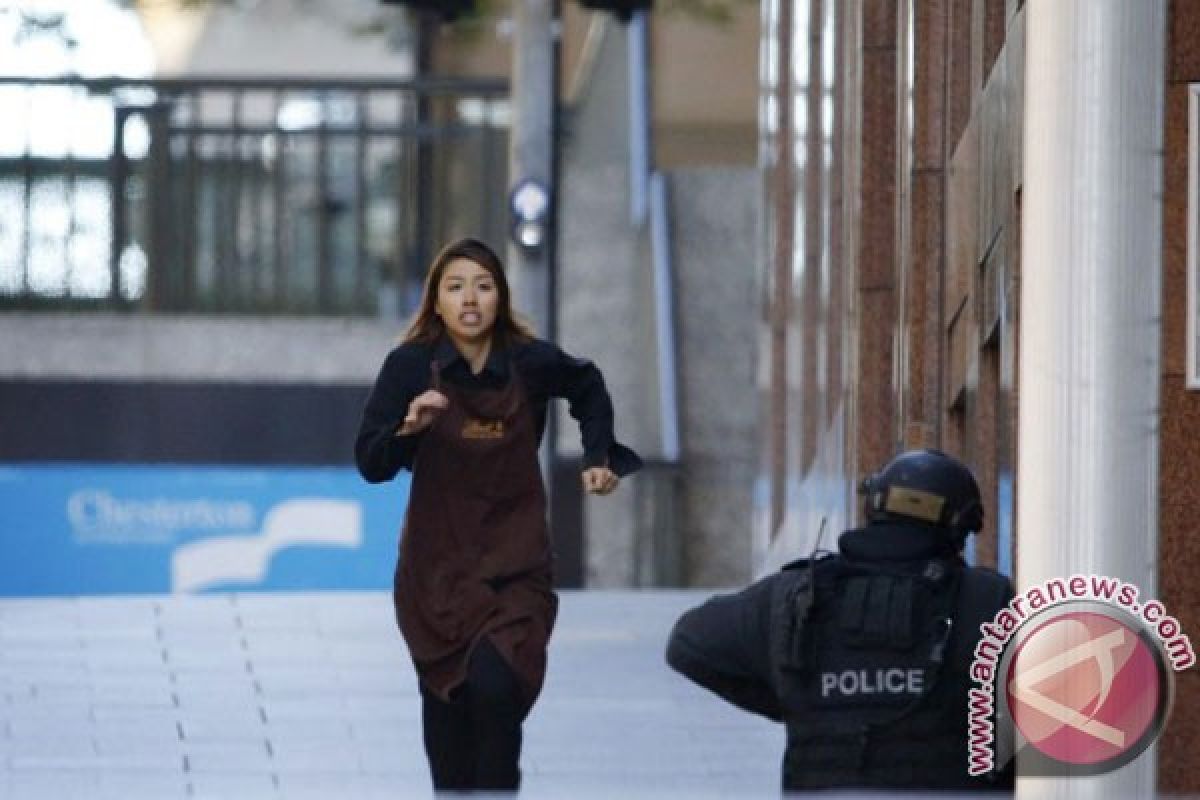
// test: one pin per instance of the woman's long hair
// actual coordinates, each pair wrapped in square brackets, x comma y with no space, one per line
[510,328]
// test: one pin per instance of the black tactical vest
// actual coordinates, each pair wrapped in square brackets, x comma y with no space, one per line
[871,662]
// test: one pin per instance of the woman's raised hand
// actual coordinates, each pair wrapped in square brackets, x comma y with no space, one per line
[599,480]
[422,411]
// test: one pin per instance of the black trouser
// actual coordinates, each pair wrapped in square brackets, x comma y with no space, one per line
[474,741]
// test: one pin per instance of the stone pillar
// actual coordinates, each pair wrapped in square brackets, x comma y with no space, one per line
[1089,307]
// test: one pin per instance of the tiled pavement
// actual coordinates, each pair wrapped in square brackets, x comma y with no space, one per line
[312,696]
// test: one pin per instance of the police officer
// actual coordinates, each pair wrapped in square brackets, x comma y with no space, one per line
[863,655]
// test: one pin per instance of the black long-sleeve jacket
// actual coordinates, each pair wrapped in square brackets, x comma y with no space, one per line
[724,646]
[546,370]
[730,645]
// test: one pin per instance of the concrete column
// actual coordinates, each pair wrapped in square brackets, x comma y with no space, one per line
[531,147]
[1089,305]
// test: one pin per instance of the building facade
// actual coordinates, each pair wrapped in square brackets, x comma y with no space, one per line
[977,240]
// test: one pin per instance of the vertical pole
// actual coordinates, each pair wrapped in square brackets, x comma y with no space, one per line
[27,207]
[187,192]
[326,303]
[555,177]
[422,246]
[237,291]
[1091,257]
[810,421]
[783,202]
[162,279]
[279,209]
[640,146]
[363,282]
[119,200]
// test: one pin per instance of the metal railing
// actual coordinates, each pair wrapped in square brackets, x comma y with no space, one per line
[242,195]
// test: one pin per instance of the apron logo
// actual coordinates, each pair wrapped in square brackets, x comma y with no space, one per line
[483,429]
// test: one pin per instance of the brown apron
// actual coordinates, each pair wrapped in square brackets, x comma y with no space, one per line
[475,557]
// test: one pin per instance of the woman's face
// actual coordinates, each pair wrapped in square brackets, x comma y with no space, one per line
[467,300]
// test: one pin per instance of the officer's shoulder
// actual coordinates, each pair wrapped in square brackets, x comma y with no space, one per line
[801,571]
[987,584]
[986,574]
[804,563]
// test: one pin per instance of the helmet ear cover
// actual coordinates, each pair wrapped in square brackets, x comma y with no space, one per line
[969,518]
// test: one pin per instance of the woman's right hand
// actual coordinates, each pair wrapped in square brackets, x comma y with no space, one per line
[422,411]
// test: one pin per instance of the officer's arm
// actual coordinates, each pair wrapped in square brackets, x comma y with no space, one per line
[723,645]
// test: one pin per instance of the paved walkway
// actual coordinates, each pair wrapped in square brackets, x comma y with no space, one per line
[304,696]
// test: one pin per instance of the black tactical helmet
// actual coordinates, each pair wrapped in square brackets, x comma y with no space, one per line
[925,486]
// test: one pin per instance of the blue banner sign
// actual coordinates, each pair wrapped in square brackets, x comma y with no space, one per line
[107,529]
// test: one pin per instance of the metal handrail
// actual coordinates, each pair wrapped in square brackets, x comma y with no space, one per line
[497,87]
[665,317]
[219,203]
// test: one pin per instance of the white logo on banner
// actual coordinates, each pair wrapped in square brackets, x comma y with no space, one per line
[96,516]
[245,558]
